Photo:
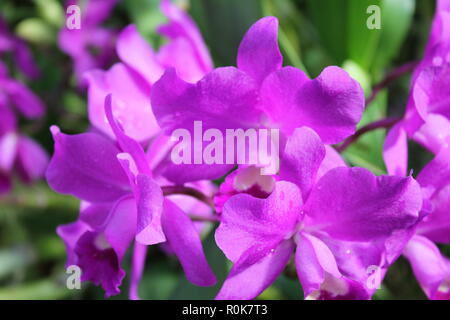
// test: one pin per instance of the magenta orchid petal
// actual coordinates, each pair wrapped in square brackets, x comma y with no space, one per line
[331,104]
[192,205]
[319,270]
[302,158]
[132,102]
[8,120]
[95,214]
[99,263]
[85,165]
[395,151]
[8,151]
[97,11]
[434,133]
[120,227]
[430,95]
[429,266]
[19,50]
[364,264]
[99,252]
[224,99]
[434,180]
[179,54]
[24,59]
[370,207]
[24,99]
[137,54]
[184,240]
[32,160]
[436,174]
[158,150]
[259,54]
[246,221]
[436,226]
[314,263]
[127,144]
[149,200]
[70,234]
[249,283]
[332,160]
[180,25]
[137,269]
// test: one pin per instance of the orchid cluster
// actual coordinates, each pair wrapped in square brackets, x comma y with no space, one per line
[19,154]
[329,221]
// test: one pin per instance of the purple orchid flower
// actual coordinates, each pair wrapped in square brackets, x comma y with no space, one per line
[131,81]
[91,46]
[124,203]
[259,93]
[22,156]
[19,154]
[18,49]
[427,118]
[14,93]
[429,265]
[339,221]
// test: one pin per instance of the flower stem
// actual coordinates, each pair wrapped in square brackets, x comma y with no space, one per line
[390,77]
[198,218]
[380,124]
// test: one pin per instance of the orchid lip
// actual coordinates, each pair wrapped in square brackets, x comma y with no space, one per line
[101,242]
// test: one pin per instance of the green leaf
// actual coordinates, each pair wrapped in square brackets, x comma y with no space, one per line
[51,11]
[14,259]
[288,37]
[219,265]
[362,42]
[396,17]
[223,23]
[36,31]
[147,17]
[329,17]
[158,281]
[42,290]
[367,150]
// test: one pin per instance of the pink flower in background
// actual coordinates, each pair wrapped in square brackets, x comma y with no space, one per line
[9,43]
[427,117]
[91,46]
[19,155]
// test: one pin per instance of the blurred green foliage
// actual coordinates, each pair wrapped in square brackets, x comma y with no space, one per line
[313,34]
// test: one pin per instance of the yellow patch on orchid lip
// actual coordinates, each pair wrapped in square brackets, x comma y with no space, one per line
[251,176]
[101,243]
[444,287]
